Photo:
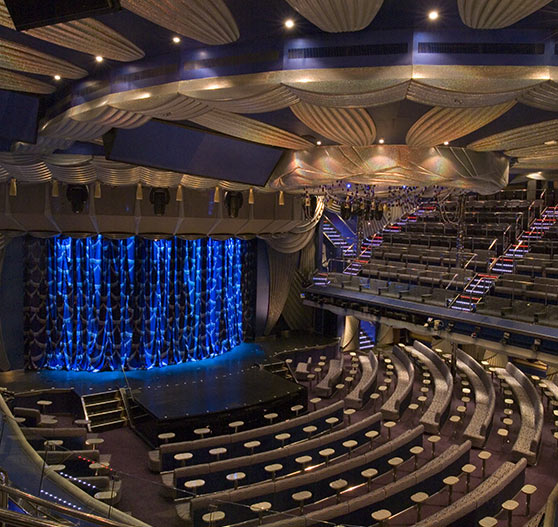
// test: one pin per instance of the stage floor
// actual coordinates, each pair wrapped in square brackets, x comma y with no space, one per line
[232,380]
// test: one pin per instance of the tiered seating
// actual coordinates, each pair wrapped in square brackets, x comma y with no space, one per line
[522,287]
[532,413]
[162,459]
[359,395]
[279,492]
[437,412]
[254,465]
[485,399]
[481,501]
[73,437]
[403,392]
[334,373]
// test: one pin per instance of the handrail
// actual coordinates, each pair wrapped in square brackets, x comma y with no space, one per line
[451,281]
[492,244]
[19,519]
[61,508]
[470,260]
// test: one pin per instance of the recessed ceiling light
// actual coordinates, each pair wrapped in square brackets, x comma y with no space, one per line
[57,77]
[98,58]
[289,23]
[550,143]
[381,141]
[535,175]
[446,143]
[433,15]
[318,143]
[176,40]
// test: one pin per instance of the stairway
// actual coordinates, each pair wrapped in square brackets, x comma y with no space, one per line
[333,235]
[356,265]
[473,292]
[320,279]
[279,368]
[365,343]
[104,410]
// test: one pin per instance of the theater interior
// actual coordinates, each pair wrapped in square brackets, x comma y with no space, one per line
[281,262]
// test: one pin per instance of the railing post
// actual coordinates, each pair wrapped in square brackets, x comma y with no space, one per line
[4,480]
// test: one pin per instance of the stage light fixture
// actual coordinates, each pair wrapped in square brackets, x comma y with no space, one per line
[57,77]
[159,197]
[289,23]
[233,201]
[77,195]
[433,15]
[176,40]
[98,58]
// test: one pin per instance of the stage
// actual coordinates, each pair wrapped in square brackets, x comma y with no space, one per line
[179,398]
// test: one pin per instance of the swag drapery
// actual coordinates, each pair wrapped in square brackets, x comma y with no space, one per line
[101,304]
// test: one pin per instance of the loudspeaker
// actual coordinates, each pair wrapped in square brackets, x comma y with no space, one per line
[28,14]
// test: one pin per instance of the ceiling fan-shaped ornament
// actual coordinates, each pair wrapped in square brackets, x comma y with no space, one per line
[439,125]
[86,35]
[207,21]
[337,16]
[346,126]
[10,80]
[496,14]
[543,96]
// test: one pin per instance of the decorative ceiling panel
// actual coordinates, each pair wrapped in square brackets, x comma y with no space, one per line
[275,98]
[86,35]
[435,96]
[537,163]
[347,126]
[522,137]
[14,56]
[63,127]
[496,14]
[208,21]
[111,117]
[349,99]
[44,144]
[10,80]
[446,124]
[245,128]
[535,151]
[173,107]
[543,96]
[336,16]
[483,172]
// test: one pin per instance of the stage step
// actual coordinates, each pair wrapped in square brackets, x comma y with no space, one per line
[105,410]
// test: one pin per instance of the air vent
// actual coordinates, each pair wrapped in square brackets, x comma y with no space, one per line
[236,60]
[348,51]
[481,48]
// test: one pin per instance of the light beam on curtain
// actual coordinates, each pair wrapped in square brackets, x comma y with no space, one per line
[101,304]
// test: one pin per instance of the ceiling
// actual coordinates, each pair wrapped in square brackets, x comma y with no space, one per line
[241,101]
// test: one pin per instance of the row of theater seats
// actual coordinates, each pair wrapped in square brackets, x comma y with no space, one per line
[342,471]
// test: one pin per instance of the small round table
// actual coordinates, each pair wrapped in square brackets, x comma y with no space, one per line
[270,417]
[235,425]
[369,473]
[193,485]
[235,477]
[283,437]
[389,425]
[419,498]
[44,404]
[350,444]
[297,408]
[450,481]
[326,452]
[273,469]
[433,440]
[202,432]
[528,490]
[107,496]
[260,508]
[164,437]
[212,517]
[374,397]
[53,443]
[484,456]
[217,452]
[310,429]
[503,433]
[510,506]
[332,421]
[395,462]
[97,467]
[301,497]
[57,468]
[507,422]
[416,451]
[182,457]
[314,401]
[381,516]
[468,469]
[372,434]
[251,445]
[338,485]
[94,442]
[349,412]
[303,461]
[82,422]
[488,521]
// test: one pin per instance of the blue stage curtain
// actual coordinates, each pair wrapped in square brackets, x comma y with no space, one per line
[99,304]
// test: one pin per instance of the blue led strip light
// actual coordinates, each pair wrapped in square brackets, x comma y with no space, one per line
[137,303]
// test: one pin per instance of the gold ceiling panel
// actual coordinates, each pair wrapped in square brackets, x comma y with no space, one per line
[14,56]
[522,137]
[496,14]
[10,80]
[208,21]
[541,150]
[275,98]
[111,117]
[86,35]
[346,126]
[245,128]
[446,124]
[544,96]
[172,107]
[337,16]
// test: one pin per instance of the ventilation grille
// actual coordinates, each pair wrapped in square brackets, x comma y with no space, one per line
[236,60]
[481,48]
[365,50]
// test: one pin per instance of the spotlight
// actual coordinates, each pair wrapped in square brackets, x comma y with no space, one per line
[446,143]
[289,23]
[77,195]
[57,77]
[159,197]
[433,15]
[551,142]
[98,58]
[234,201]
[381,141]
[319,143]
[176,40]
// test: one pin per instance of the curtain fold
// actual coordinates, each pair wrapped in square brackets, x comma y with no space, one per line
[101,304]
